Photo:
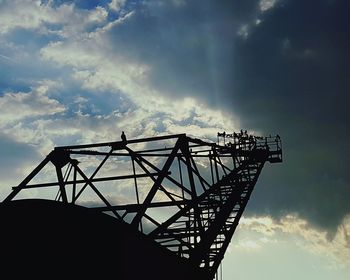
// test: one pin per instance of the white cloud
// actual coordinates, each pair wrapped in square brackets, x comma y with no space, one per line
[37,15]
[307,237]
[266,5]
[98,70]
[31,14]
[246,27]
[17,106]
[243,31]
[93,64]
[99,14]
[79,56]
[249,245]
[116,5]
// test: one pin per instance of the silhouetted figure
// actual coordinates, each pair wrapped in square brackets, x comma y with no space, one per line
[277,139]
[123,137]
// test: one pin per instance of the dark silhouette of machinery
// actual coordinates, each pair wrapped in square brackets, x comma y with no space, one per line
[173,202]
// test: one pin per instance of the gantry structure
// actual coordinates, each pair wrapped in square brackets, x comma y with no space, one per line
[186,194]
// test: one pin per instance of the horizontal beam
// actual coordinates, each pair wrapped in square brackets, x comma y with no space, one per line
[130,208]
[97,153]
[109,144]
[103,179]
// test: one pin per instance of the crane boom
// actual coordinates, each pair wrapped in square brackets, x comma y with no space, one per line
[186,194]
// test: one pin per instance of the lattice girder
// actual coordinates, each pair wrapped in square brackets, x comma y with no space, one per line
[187,194]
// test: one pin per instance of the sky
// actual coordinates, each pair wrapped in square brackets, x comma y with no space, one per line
[83,71]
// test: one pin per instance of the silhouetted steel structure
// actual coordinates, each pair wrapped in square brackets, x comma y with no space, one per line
[188,194]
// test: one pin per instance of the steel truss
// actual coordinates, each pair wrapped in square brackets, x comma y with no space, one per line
[188,194]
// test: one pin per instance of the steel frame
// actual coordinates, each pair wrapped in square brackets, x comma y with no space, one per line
[208,201]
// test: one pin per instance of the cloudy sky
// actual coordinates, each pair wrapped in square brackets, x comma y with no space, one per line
[82,71]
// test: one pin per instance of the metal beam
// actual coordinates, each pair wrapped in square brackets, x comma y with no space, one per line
[95,189]
[231,231]
[93,174]
[136,207]
[61,183]
[121,143]
[16,190]
[101,179]
[210,211]
[191,203]
[157,183]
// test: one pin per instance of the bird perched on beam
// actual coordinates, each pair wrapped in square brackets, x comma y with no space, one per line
[123,137]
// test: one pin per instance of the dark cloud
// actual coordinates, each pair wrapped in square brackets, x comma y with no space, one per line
[288,75]
[189,47]
[294,79]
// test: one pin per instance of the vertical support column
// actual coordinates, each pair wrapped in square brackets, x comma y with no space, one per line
[136,188]
[216,170]
[196,210]
[216,166]
[74,190]
[211,168]
[61,184]
[180,174]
